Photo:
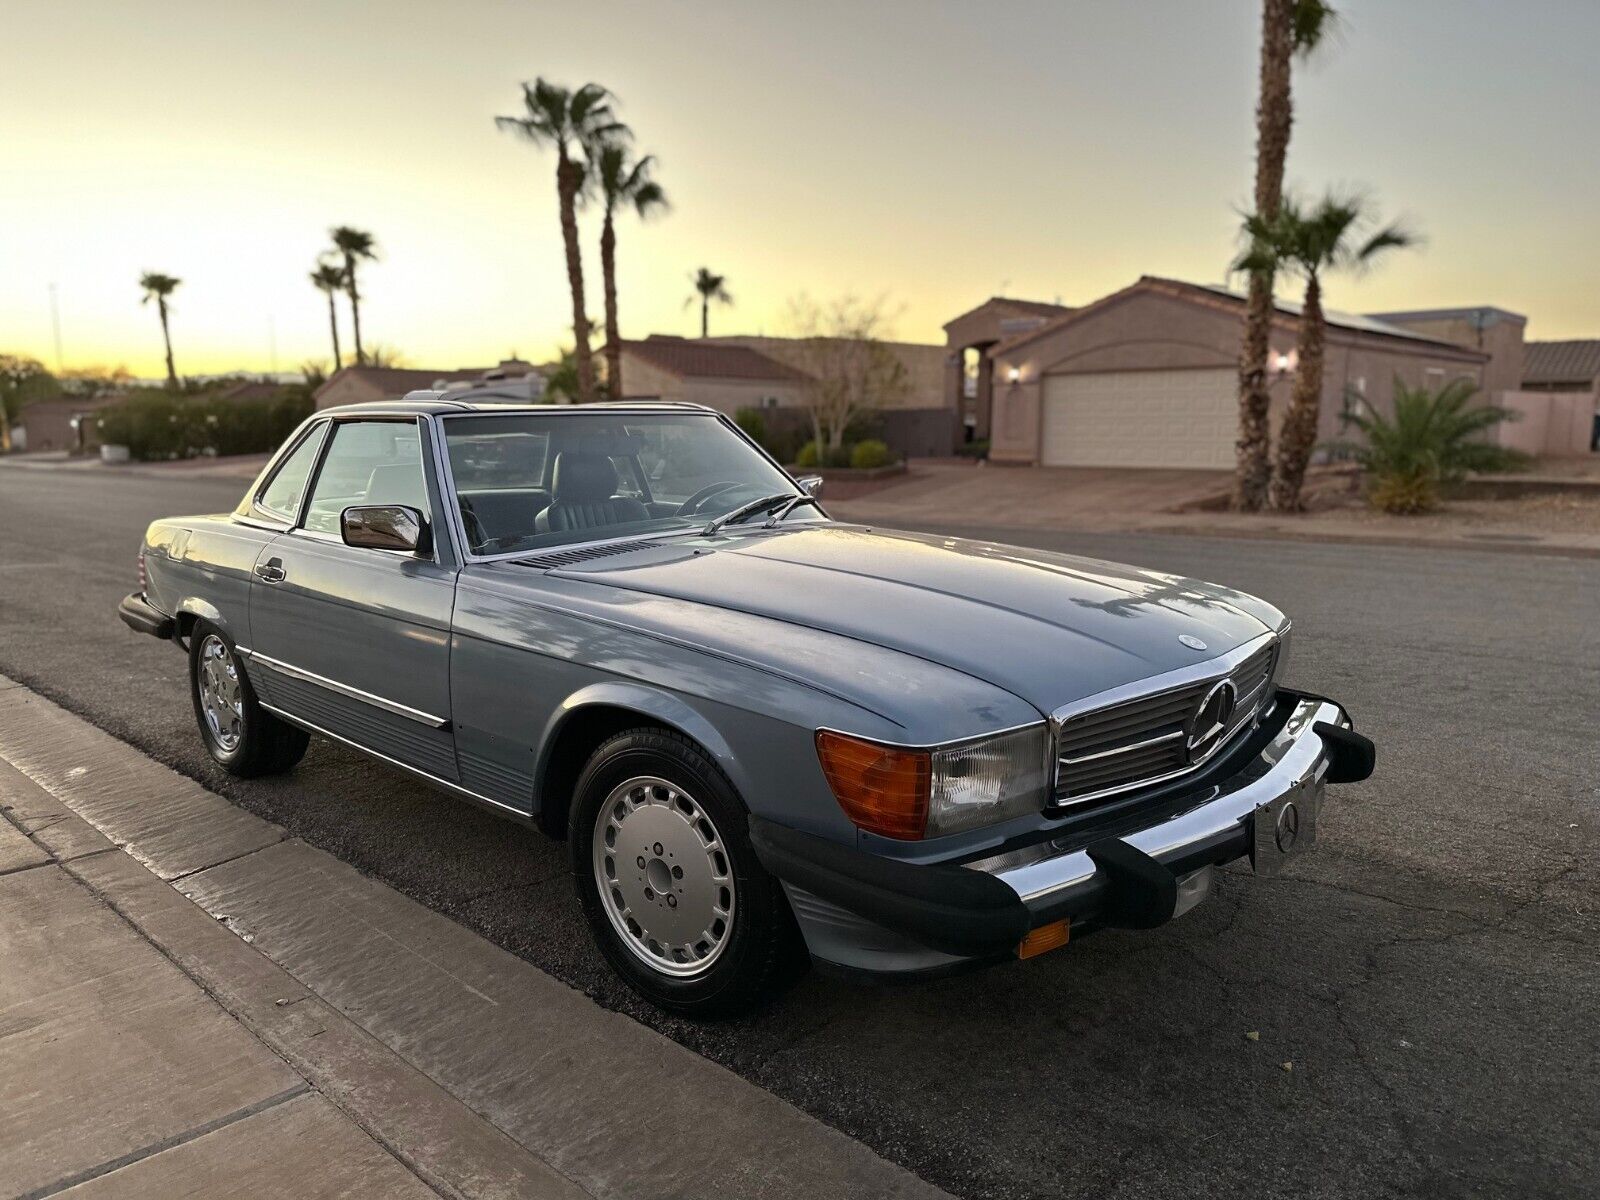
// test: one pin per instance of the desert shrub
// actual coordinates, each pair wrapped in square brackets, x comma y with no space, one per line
[975,449]
[870,453]
[807,455]
[1433,438]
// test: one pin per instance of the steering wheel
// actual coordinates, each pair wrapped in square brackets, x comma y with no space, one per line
[477,535]
[693,504]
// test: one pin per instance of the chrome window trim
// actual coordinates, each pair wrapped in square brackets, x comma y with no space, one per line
[344,689]
[453,503]
[1148,689]
[468,793]
[315,427]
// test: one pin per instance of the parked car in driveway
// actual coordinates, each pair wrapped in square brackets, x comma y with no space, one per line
[764,734]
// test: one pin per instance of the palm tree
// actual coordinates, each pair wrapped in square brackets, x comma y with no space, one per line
[570,121]
[1311,241]
[1288,28]
[623,182]
[353,246]
[328,279]
[709,287]
[158,287]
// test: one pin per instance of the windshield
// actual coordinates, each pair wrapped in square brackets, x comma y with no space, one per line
[532,480]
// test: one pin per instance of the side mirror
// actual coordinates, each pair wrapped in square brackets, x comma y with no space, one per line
[811,483]
[385,527]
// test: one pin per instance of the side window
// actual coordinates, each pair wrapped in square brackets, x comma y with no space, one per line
[368,462]
[281,496]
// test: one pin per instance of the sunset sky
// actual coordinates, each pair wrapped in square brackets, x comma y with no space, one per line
[932,153]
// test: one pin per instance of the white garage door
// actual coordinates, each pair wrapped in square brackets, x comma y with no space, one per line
[1141,419]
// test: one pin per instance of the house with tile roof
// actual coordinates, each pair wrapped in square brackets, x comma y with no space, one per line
[366,384]
[708,371]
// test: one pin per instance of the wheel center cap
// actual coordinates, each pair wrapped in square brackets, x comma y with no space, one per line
[659,875]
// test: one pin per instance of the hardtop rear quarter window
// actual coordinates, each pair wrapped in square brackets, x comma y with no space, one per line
[281,495]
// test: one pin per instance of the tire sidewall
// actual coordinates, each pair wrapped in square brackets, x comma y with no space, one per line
[745,959]
[250,720]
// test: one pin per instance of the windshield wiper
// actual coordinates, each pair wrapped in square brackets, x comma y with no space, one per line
[745,510]
[794,501]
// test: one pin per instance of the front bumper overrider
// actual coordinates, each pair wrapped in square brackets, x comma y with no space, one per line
[864,912]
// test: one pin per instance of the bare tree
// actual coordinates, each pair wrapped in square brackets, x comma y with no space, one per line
[849,370]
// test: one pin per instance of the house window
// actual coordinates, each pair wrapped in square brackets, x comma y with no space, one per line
[769,402]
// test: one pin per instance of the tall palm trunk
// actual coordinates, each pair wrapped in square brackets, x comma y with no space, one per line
[166,336]
[1298,436]
[333,328]
[608,272]
[355,306]
[705,316]
[1274,117]
[569,177]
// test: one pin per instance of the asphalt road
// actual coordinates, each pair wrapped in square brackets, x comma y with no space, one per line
[1424,989]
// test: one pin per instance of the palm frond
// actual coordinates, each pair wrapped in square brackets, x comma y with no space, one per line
[1312,23]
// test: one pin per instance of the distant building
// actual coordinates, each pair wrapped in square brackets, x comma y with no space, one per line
[365,385]
[708,371]
[65,423]
[923,364]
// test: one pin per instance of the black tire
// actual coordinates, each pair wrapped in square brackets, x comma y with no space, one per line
[263,744]
[760,954]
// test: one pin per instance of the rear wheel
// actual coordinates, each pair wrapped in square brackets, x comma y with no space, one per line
[674,893]
[243,738]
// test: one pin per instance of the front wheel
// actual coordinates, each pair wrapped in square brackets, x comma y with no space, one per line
[675,896]
[244,738]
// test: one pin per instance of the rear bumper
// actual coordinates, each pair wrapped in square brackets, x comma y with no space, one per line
[864,912]
[139,614]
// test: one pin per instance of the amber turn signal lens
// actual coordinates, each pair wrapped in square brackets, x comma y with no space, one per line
[882,789]
[1046,937]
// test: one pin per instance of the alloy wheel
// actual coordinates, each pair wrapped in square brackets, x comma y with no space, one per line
[221,695]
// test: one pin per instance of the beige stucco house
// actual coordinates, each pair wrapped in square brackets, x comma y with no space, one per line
[710,372]
[923,363]
[1147,377]
[366,385]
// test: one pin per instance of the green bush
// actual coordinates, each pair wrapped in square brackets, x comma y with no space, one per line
[753,423]
[807,455]
[869,454]
[975,449]
[1433,438]
[156,426]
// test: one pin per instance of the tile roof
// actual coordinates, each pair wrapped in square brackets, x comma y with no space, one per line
[692,359]
[1228,300]
[1561,362]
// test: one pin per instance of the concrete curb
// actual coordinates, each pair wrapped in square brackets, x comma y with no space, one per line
[482,1074]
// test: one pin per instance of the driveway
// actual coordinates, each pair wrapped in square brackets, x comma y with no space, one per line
[1059,497]
[1410,1011]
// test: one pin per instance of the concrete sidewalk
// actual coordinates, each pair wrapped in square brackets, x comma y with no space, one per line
[193,1003]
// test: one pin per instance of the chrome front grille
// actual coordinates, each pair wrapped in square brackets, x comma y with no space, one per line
[1138,742]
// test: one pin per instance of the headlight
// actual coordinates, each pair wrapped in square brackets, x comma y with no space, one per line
[980,783]
[910,793]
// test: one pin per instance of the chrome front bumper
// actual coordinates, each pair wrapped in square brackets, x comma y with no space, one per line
[863,913]
[1291,770]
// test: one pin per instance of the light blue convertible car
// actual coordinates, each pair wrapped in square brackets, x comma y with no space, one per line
[764,733]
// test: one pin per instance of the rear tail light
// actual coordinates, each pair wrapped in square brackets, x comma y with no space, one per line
[144,580]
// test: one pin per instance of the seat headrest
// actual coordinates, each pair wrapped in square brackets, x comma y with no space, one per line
[583,478]
[396,483]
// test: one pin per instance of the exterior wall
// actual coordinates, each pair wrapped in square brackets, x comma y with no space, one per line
[348,389]
[1156,331]
[1501,341]
[642,380]
[924,365]
[1551,424]
[47,425]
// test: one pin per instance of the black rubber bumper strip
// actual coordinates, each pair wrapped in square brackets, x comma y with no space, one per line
[945,908]
[1142,894]
[140,615]
[1351,756]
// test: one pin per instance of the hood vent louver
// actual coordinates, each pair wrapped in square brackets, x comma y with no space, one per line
[578,554]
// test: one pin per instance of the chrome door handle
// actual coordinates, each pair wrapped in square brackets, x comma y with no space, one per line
[271,571]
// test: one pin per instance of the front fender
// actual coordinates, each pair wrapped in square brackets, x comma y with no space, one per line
[658,705]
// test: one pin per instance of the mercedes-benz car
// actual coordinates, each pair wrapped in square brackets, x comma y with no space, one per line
[766,735]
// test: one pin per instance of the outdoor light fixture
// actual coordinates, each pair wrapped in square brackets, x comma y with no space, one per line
[1014,374]
[1284,361]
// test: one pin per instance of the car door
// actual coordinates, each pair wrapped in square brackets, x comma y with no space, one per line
[351,640]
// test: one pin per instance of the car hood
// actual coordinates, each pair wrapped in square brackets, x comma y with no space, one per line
[1049,628]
